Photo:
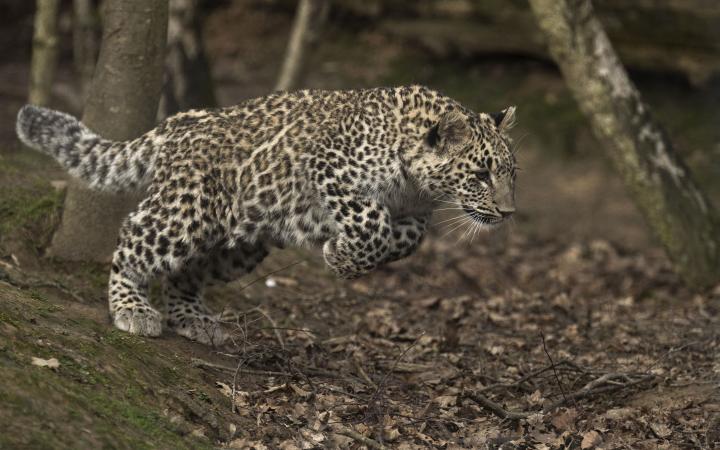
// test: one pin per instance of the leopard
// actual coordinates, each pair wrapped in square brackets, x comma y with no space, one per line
[354,173]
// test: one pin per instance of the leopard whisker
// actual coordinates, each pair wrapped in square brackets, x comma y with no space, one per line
[451,219]
[462,222]
[449,209]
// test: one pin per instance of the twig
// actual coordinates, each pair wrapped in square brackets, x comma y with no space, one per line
[531,375]
[593,388]
[371,443]
[196,362]
[271,373]
[234,384]
[495,407]
[274,326]
[381,385]
[557,377]
[365,376]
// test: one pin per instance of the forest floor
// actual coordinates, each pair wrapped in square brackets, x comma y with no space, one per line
[564,329]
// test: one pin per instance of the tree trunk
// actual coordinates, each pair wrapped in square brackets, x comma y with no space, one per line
[44,52]
[86,41]
[308,20]
[660,184]
[188,82]
[122,104]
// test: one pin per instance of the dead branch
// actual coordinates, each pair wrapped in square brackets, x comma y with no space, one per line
[197,362]
[496,408]
[371,443]
[602,385]
[364,375]
[524,379]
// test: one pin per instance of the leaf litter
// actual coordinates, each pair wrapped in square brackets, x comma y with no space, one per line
[575,353]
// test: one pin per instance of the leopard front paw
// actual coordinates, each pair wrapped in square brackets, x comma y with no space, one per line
[138,319]
[339,262]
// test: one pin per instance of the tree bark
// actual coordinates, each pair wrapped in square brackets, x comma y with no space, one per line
[188,82]
[122,104]
[44,52]
[676,210]
[309,18]
[86,39]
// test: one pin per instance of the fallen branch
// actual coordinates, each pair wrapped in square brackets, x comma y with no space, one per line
[365,376]
[603,385]
[196,362]
[496,408]
[524,379]
[371,443]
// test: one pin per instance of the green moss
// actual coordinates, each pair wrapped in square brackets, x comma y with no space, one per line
[28,215]
[110,390]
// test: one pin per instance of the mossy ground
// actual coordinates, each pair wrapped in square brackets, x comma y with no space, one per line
[111,389]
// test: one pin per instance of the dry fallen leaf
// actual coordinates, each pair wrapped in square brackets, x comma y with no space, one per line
[391,434]
[535,398]
[446,401]
[661,430]
[300,391]
[620,413]
[590,439]
[565,420]
[51,363]
[224,388]
[246,444]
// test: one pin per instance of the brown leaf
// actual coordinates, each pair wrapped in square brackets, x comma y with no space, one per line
[620,413]
[661,430]
[565,420]
[590,439]
[51,363]
[446,401]
[300,391]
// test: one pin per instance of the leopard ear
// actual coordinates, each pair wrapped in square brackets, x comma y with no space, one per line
[505,119]
[451,131]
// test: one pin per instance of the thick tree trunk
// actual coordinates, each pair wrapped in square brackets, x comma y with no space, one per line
[660,184]
[309,18]
[188,82]
[86,40]
[122,104]
[44,52]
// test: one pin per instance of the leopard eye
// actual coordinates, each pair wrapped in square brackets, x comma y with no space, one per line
[483,175]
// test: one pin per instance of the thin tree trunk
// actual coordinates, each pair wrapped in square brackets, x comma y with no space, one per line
[309,18]
[674,207]
[122,104]
[44,52]
[188,82]
[86,41]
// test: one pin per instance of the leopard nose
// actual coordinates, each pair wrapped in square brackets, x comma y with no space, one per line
[507,213]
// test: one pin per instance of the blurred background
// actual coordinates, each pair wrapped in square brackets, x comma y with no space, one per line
[488,54]
[576,278]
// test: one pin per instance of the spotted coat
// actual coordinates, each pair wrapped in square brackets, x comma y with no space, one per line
[356,173]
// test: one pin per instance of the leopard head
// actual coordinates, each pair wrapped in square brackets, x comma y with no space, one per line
[467,161]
